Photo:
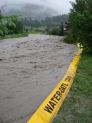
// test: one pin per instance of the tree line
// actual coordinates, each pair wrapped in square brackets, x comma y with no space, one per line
[48,21]
[10,25]
[16,24]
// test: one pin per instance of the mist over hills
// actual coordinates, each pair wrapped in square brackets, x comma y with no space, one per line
[34,11]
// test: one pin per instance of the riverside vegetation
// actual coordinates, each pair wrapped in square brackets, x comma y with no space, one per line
[80,19]
[17,26]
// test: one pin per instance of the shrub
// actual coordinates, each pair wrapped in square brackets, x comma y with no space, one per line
[81,24]
[54,31]
[57,31]
[70,39]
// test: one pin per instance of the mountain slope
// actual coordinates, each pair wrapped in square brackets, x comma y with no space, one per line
[28,10]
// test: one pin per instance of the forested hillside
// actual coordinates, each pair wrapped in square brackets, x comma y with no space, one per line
[36,12]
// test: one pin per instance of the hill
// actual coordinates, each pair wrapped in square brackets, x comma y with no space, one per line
[34,11]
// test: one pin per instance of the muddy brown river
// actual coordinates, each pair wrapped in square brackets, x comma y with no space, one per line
[30,68]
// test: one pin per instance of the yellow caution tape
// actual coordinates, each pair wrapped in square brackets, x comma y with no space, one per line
[49,108]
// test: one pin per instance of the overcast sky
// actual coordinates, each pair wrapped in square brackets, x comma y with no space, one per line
[62,6]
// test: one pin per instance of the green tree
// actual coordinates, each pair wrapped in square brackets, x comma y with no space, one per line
[3,29]
[16,24]
[11,26]
[81,23]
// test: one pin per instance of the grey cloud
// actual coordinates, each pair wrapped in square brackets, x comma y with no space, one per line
[62,6]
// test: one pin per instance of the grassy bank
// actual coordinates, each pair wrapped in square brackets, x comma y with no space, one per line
[14,36]
[77,108]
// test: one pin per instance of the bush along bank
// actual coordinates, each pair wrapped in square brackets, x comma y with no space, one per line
[80,24]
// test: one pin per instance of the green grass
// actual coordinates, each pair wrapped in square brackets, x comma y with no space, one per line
[36,31]
[15,36]
[77,107]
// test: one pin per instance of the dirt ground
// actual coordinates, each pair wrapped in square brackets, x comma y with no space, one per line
[30,68]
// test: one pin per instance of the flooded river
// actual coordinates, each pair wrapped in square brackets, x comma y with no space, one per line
[30,68]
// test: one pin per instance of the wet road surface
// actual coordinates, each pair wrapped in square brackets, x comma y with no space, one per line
[30,68]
